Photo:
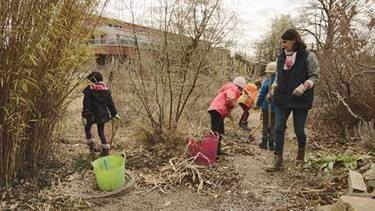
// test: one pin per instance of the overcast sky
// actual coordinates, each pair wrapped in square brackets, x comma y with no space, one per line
[255,15]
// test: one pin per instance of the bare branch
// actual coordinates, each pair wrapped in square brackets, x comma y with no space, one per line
[341,99]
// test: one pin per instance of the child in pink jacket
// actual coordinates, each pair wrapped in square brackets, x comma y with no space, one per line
[222,105]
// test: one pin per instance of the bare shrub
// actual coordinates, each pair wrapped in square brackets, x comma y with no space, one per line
[170,80]
[346,58]
[365,132]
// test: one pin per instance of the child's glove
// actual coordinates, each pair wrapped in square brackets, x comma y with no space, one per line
[269,97]
[230,98]
[117,117]
[84,121]
[300,90]
[230,108]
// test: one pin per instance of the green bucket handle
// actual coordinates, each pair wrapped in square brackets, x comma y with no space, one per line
[106,161]
[122,154]
[106,164]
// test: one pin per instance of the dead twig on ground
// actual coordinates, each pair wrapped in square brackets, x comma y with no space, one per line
[317,145]
[175,172]
[304,198]
[310,190]
[290,188]
[253,184]
[114,131]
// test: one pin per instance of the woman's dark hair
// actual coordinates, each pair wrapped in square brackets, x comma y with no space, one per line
[95,77]
[292,34]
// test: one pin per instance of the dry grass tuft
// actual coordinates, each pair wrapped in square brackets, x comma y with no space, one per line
[366,133]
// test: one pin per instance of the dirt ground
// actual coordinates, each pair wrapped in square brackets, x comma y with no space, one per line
[237,181]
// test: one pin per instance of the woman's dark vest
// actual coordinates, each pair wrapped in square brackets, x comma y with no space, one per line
[288,80]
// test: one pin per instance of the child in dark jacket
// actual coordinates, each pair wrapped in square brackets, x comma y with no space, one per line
[268,133]
[98,108]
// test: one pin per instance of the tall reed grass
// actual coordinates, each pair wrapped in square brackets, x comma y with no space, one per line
[44,43]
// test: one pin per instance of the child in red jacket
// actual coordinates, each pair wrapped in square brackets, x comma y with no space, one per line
[222,105]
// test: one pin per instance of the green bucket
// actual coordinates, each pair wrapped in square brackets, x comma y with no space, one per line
[110,172]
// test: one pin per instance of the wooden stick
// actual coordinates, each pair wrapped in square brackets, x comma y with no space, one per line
[269,102]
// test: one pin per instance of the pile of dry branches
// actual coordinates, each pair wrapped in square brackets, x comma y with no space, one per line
[179,170]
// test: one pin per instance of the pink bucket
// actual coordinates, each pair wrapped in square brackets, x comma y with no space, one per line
[206,149]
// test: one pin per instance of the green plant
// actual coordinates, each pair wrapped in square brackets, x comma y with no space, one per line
[330,162]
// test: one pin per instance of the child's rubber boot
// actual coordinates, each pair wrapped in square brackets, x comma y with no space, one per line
[105,150]
[271,145]
[91,143]
[263,145]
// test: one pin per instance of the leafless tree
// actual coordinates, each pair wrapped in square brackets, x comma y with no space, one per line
[188,51]
[268,47]
[343,32]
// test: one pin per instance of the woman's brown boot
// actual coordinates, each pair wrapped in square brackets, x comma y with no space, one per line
[278,163]
[300,156]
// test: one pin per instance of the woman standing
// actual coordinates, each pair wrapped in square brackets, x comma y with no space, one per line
[293,91]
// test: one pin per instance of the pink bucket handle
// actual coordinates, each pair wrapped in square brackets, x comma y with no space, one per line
[214,133]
